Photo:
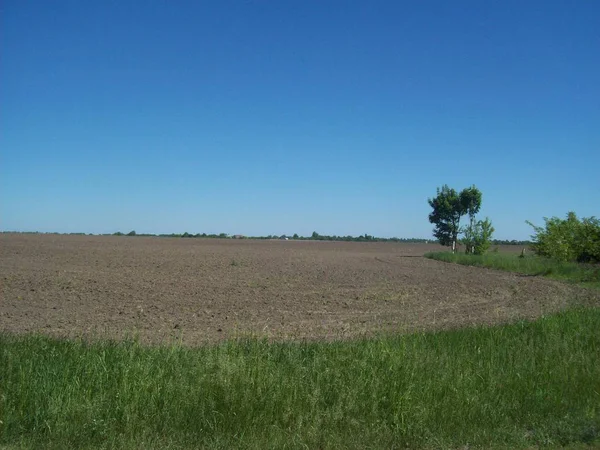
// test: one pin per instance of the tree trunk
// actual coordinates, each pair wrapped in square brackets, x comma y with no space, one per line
[453,245]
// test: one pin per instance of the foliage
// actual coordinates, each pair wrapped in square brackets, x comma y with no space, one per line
[363,238]
[131,233]
[448,207]
[510,242]
[526,385]
[470,198]
[478,236]
[483,235]
[447,210]
[570,239]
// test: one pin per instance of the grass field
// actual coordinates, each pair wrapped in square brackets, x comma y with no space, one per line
[520,385]
[586,274]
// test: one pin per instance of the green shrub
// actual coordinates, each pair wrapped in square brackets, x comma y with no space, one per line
[478,237]
[568,240]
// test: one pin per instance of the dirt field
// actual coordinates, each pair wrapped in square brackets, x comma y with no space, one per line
[202,290]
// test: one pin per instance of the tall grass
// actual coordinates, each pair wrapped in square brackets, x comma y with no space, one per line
[528,265]
[520,385]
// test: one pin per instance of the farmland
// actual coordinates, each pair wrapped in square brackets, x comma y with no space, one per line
[201,291]
[359,374]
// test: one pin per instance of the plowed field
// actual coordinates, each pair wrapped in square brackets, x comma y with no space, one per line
[203,290]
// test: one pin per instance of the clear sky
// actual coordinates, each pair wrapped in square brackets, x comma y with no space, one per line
[273,117]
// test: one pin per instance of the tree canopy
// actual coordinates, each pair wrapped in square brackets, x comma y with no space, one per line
[448,208]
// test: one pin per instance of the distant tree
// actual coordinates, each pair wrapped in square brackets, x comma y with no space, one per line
[448,208]
[131,233]
[510,242]
[295,236]
[118,233]
[315,235]
[470,199]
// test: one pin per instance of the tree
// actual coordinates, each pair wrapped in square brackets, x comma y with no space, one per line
[470,199]
[131,233]
[447,210]
[448,207]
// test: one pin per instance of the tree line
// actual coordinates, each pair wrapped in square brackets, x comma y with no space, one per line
[313,237]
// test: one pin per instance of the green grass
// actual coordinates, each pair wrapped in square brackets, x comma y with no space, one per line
[529,265]
[520,385]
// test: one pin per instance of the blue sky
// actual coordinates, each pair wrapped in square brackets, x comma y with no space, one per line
[292,116]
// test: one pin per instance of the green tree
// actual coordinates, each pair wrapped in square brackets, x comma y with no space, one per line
[470,199]
[447,210]
[131,233]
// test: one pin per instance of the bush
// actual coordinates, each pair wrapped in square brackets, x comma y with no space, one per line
[483,235]
[570,239]
[478,237]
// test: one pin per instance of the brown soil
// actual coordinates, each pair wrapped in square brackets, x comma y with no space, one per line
[202,290]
